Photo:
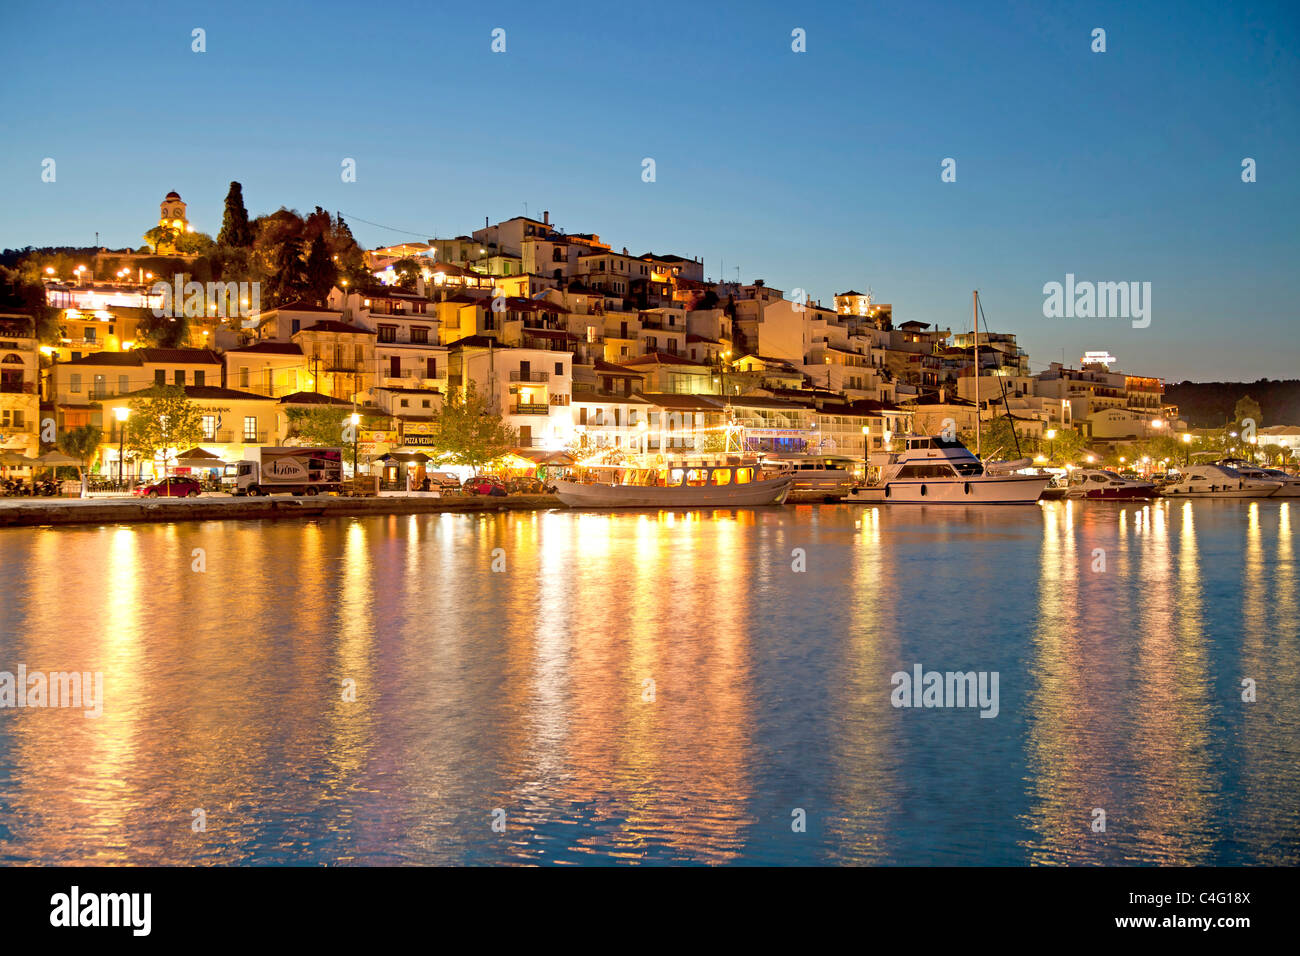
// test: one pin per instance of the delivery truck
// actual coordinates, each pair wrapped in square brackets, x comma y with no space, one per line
[299,471]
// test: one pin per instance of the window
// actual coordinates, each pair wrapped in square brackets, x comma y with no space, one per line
[358,354]
[431,368]
[424,403]
[160,376]
[295,327]
[74,382]
[250,428]
[89,335]
[388,333]
[406,403]
[209,427]
[419,334]
[100,387]
[559,368]
[199,376]
[123,384]
[178,377]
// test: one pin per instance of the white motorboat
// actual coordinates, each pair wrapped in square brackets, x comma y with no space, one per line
[1218,481]
[934,470]
[1290,483]
[816,477]
[733,483]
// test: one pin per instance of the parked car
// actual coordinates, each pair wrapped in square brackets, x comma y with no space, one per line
[525,486]
[443,481]
[484,485]
[171,488]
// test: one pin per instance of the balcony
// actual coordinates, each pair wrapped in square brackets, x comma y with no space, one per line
[230,436]
[18,388]
[530,408]
[521,376]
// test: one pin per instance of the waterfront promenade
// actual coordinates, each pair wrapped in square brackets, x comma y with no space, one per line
[28,512]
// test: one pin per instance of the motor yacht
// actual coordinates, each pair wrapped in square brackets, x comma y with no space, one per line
[935,470]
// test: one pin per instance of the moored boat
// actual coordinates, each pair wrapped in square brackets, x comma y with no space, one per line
[1106,485]
[935,470]
[817,478]
[1218,481]
[1290,483]
[732,483]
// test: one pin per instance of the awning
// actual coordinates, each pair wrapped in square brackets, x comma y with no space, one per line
[14,460]
[416,457]
[199,458]
[544,457]
[56,457]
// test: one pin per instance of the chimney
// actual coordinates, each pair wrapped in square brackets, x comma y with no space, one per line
[546,216]
[485,222]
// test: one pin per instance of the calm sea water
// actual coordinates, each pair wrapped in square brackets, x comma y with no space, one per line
[650,688]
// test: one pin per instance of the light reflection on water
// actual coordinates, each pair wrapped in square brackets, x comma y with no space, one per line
[661,687]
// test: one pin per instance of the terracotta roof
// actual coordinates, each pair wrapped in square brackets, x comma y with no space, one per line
[664,358]
[603,366]
[710,403]
[203,391]
[333,325]
[280,348]
[311,398]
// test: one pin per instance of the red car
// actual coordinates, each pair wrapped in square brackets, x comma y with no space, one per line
[171,488]
[484,486]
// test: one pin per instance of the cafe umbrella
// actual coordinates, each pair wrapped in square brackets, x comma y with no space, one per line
[55,458]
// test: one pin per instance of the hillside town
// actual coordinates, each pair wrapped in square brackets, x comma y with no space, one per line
[582,349]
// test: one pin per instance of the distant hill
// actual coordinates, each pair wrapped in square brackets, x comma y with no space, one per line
[1209,404]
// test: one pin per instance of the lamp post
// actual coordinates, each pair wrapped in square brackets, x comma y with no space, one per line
[1187,449]
[122,413]
[1051,442]
[356,437]
[866,450]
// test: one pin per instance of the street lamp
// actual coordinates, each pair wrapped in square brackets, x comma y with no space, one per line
[1051,441]
[1187,450]
[122,413]
[866,450]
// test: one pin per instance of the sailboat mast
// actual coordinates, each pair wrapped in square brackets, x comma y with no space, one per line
[975,297]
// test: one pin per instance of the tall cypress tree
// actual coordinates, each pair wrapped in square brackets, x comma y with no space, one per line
[322,273]
[235,230]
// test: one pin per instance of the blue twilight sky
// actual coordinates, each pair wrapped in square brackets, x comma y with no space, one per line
[818,170]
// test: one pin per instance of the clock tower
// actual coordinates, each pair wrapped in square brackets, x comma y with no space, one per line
[171,212]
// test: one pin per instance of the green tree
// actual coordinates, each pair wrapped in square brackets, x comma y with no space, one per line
[194,243]
[317,426]
[18,292]
[408,273]
[236,232]
[163,419]
[163,331]
[288,277]
[162,239]
[81,443]
[468,434]
[322,274]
